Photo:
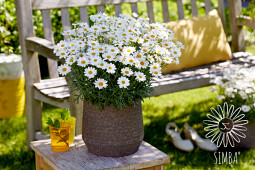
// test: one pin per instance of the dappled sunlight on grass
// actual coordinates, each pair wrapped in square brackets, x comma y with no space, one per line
[189,106]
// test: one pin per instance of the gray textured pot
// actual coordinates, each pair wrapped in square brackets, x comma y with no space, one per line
[112,132]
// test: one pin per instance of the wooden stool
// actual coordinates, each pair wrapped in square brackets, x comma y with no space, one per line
[147,157]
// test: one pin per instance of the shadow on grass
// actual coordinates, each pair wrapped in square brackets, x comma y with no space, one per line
[194,114]
[18,160]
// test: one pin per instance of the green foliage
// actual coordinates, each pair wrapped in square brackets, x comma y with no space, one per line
[112,95]
[65,115]
[54,123]
[9,40]
[250,10]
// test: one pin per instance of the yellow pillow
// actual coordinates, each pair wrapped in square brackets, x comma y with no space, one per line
[204,39]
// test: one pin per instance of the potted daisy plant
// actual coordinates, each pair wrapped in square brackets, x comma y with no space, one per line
[111,64]
[236,87]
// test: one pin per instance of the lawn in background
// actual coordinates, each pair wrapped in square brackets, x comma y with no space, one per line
[187,106]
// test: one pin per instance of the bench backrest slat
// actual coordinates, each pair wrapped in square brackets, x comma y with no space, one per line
[118,10]
[165,11]
[84,14]
[222,13]
[207,6]
[180,9]
[48,35]
[100,8]
[65,21]
[50,4]
[134,7]
[193,4]
[150,11]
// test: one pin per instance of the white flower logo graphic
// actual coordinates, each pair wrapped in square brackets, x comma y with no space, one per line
[225,125]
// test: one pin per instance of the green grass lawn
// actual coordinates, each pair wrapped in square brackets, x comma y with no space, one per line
[187,106]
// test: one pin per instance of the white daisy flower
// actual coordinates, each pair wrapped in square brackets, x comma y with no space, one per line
[64,69]
[155,67]
[100,83]
[176,52]
[71,59]
[140,76]
[90,72]
[123,82]
[110,68]
[126,71]
[62,54]
[246,108]
[102,65]
[108,56]
[220,97]
[128,50]
[180,44]
[95,60]
[134,14]
[156,73]
[82,62]
[144,63]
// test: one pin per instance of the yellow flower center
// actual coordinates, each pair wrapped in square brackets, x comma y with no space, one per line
[95,29]
[123,82]
[139,56]
[129,50]
[142,63]
[64,69]
[93,43]
[140,77]
[101,49]
[155,67]
[102,64]
[90,72]
[62,45]
[100,84]
[153,36]
[127,72]
[83,62]
[71,60]
[155,72]
[63,53]
[131,61]
[175,52]
[103,28]
[109,56]
[110,68]
[112,50]
[144,50]
[81,55]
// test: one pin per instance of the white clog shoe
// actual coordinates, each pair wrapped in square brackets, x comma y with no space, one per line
[204,144]
[175,137]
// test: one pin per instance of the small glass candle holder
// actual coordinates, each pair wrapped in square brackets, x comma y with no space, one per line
[60,137]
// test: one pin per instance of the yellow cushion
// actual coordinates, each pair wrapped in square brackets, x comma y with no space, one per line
[204,39]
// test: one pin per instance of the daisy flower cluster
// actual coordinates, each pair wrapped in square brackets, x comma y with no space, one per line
[116,53]
[237,86]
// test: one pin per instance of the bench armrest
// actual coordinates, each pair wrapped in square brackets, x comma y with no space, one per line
[42,46]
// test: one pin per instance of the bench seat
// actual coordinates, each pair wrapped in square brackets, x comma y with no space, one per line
[56,92]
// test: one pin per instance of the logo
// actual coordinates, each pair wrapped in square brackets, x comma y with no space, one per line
[225,125]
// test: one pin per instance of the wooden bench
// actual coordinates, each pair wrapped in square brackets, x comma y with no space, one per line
[146,158]
[55,90]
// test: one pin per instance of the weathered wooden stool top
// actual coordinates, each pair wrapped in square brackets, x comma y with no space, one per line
[79,158]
